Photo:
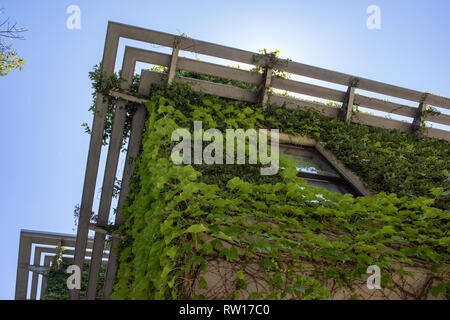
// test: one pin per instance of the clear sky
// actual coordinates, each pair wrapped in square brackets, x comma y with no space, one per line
[45,148]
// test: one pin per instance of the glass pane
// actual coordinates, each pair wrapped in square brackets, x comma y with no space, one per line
[331,187]
[307,160]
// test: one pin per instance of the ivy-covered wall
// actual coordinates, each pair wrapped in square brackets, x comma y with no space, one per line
[297,241]
[387,160]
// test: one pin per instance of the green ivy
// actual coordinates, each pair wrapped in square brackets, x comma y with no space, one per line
[387,160]
[180,217]
[103,85]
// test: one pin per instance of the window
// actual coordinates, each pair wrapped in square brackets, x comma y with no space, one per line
[316,170]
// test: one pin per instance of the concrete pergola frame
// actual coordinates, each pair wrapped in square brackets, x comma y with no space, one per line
[45,245]
[133,55]
[48,254]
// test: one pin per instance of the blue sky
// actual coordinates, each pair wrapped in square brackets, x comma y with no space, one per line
[45,148]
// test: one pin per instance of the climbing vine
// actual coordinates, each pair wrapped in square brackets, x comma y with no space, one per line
[271,60]
[184,223]
[102,85]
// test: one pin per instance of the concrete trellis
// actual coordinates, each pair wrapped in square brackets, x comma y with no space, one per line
[45,248]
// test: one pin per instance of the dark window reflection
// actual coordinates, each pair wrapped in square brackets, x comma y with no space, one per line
[316,170]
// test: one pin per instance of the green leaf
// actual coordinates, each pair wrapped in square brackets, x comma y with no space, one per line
[166,270]
[208,247]
[172,252]
[232,254]
[223,236]
[202,283]
[388,230]
[196,228]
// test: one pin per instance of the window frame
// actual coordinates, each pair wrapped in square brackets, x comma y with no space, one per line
[346,177]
